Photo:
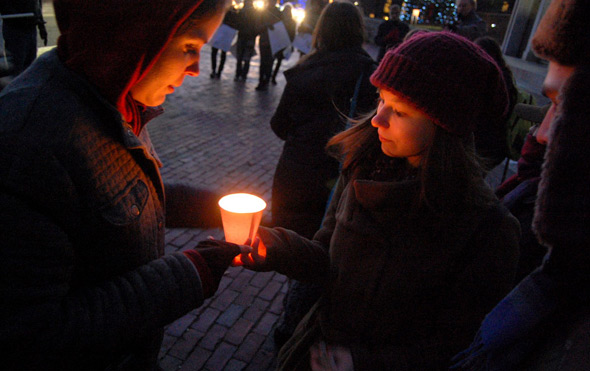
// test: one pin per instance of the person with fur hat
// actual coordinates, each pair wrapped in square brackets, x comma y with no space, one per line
[85,284]
[415,248]
[543,324]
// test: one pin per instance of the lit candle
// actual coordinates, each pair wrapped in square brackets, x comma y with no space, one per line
[241,214]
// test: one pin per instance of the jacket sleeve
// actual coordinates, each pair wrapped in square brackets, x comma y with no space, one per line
[43,309]
[295,256]
[485,279]
[189,207]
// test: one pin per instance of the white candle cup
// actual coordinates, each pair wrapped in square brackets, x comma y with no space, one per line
[241,214]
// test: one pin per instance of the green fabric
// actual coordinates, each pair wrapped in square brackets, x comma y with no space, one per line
[518,128]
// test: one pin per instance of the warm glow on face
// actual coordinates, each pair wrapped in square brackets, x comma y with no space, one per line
[242,203]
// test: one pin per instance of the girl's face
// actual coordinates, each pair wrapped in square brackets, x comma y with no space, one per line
[404,131]
[179,59]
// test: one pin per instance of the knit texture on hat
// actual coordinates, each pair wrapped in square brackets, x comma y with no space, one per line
[447,77]
[562,34]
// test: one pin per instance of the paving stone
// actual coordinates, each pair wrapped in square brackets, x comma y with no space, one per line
[206,319]
[196,360]
[213,337]
[266,323]
[261,279]
[224,300]
[220,357]
[235,365]
[230,315]
[238,332]
[270,290]
[178,327]
[247,350]
[169,363]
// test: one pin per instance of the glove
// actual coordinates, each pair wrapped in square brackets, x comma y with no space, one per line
[212,258]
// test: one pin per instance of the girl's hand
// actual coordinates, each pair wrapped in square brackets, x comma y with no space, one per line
[325,357]
[253,255]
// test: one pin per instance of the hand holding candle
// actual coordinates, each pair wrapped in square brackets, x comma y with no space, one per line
[241,214]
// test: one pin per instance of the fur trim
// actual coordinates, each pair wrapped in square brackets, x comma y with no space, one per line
[562,211]
[562,34]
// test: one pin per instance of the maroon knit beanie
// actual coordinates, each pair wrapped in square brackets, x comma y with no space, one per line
[446,76]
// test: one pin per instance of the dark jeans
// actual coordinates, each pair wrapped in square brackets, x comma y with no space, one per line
[214,69]
[245,49]
[266,60]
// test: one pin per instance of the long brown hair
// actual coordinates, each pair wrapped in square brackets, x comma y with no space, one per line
[450,172]
[339,26]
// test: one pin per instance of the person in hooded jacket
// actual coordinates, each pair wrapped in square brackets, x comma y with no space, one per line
[415,248]
[544,322]
[318,94]
[85,284]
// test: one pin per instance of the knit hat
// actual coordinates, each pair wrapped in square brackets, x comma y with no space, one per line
[446,76]
[562,34]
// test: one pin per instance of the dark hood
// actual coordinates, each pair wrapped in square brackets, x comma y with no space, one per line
[114,43]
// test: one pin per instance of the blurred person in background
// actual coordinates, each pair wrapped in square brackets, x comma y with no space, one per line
[248,28]
[543,324]
[20,21]
[290,25]
[320,90]
[468,24]
[391,32]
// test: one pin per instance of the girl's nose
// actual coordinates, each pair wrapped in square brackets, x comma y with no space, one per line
[193,69]
[379,121]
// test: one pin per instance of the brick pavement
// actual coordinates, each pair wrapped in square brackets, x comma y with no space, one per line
[216,134]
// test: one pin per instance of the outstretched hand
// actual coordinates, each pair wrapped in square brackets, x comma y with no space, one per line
[254,256]
[324,357]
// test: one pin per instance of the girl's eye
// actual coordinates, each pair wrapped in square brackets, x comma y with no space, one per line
[191,49]
[397,113]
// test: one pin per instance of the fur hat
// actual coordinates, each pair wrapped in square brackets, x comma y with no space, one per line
[446,76]
[562,34]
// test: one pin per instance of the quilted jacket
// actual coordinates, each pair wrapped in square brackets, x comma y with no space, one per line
[84,283]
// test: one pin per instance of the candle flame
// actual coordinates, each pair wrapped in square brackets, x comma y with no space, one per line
[242,203]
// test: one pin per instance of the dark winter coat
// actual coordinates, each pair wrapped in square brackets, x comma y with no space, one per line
[404,291]
[390,34]
[317,96]
[84,283]
[471,26]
